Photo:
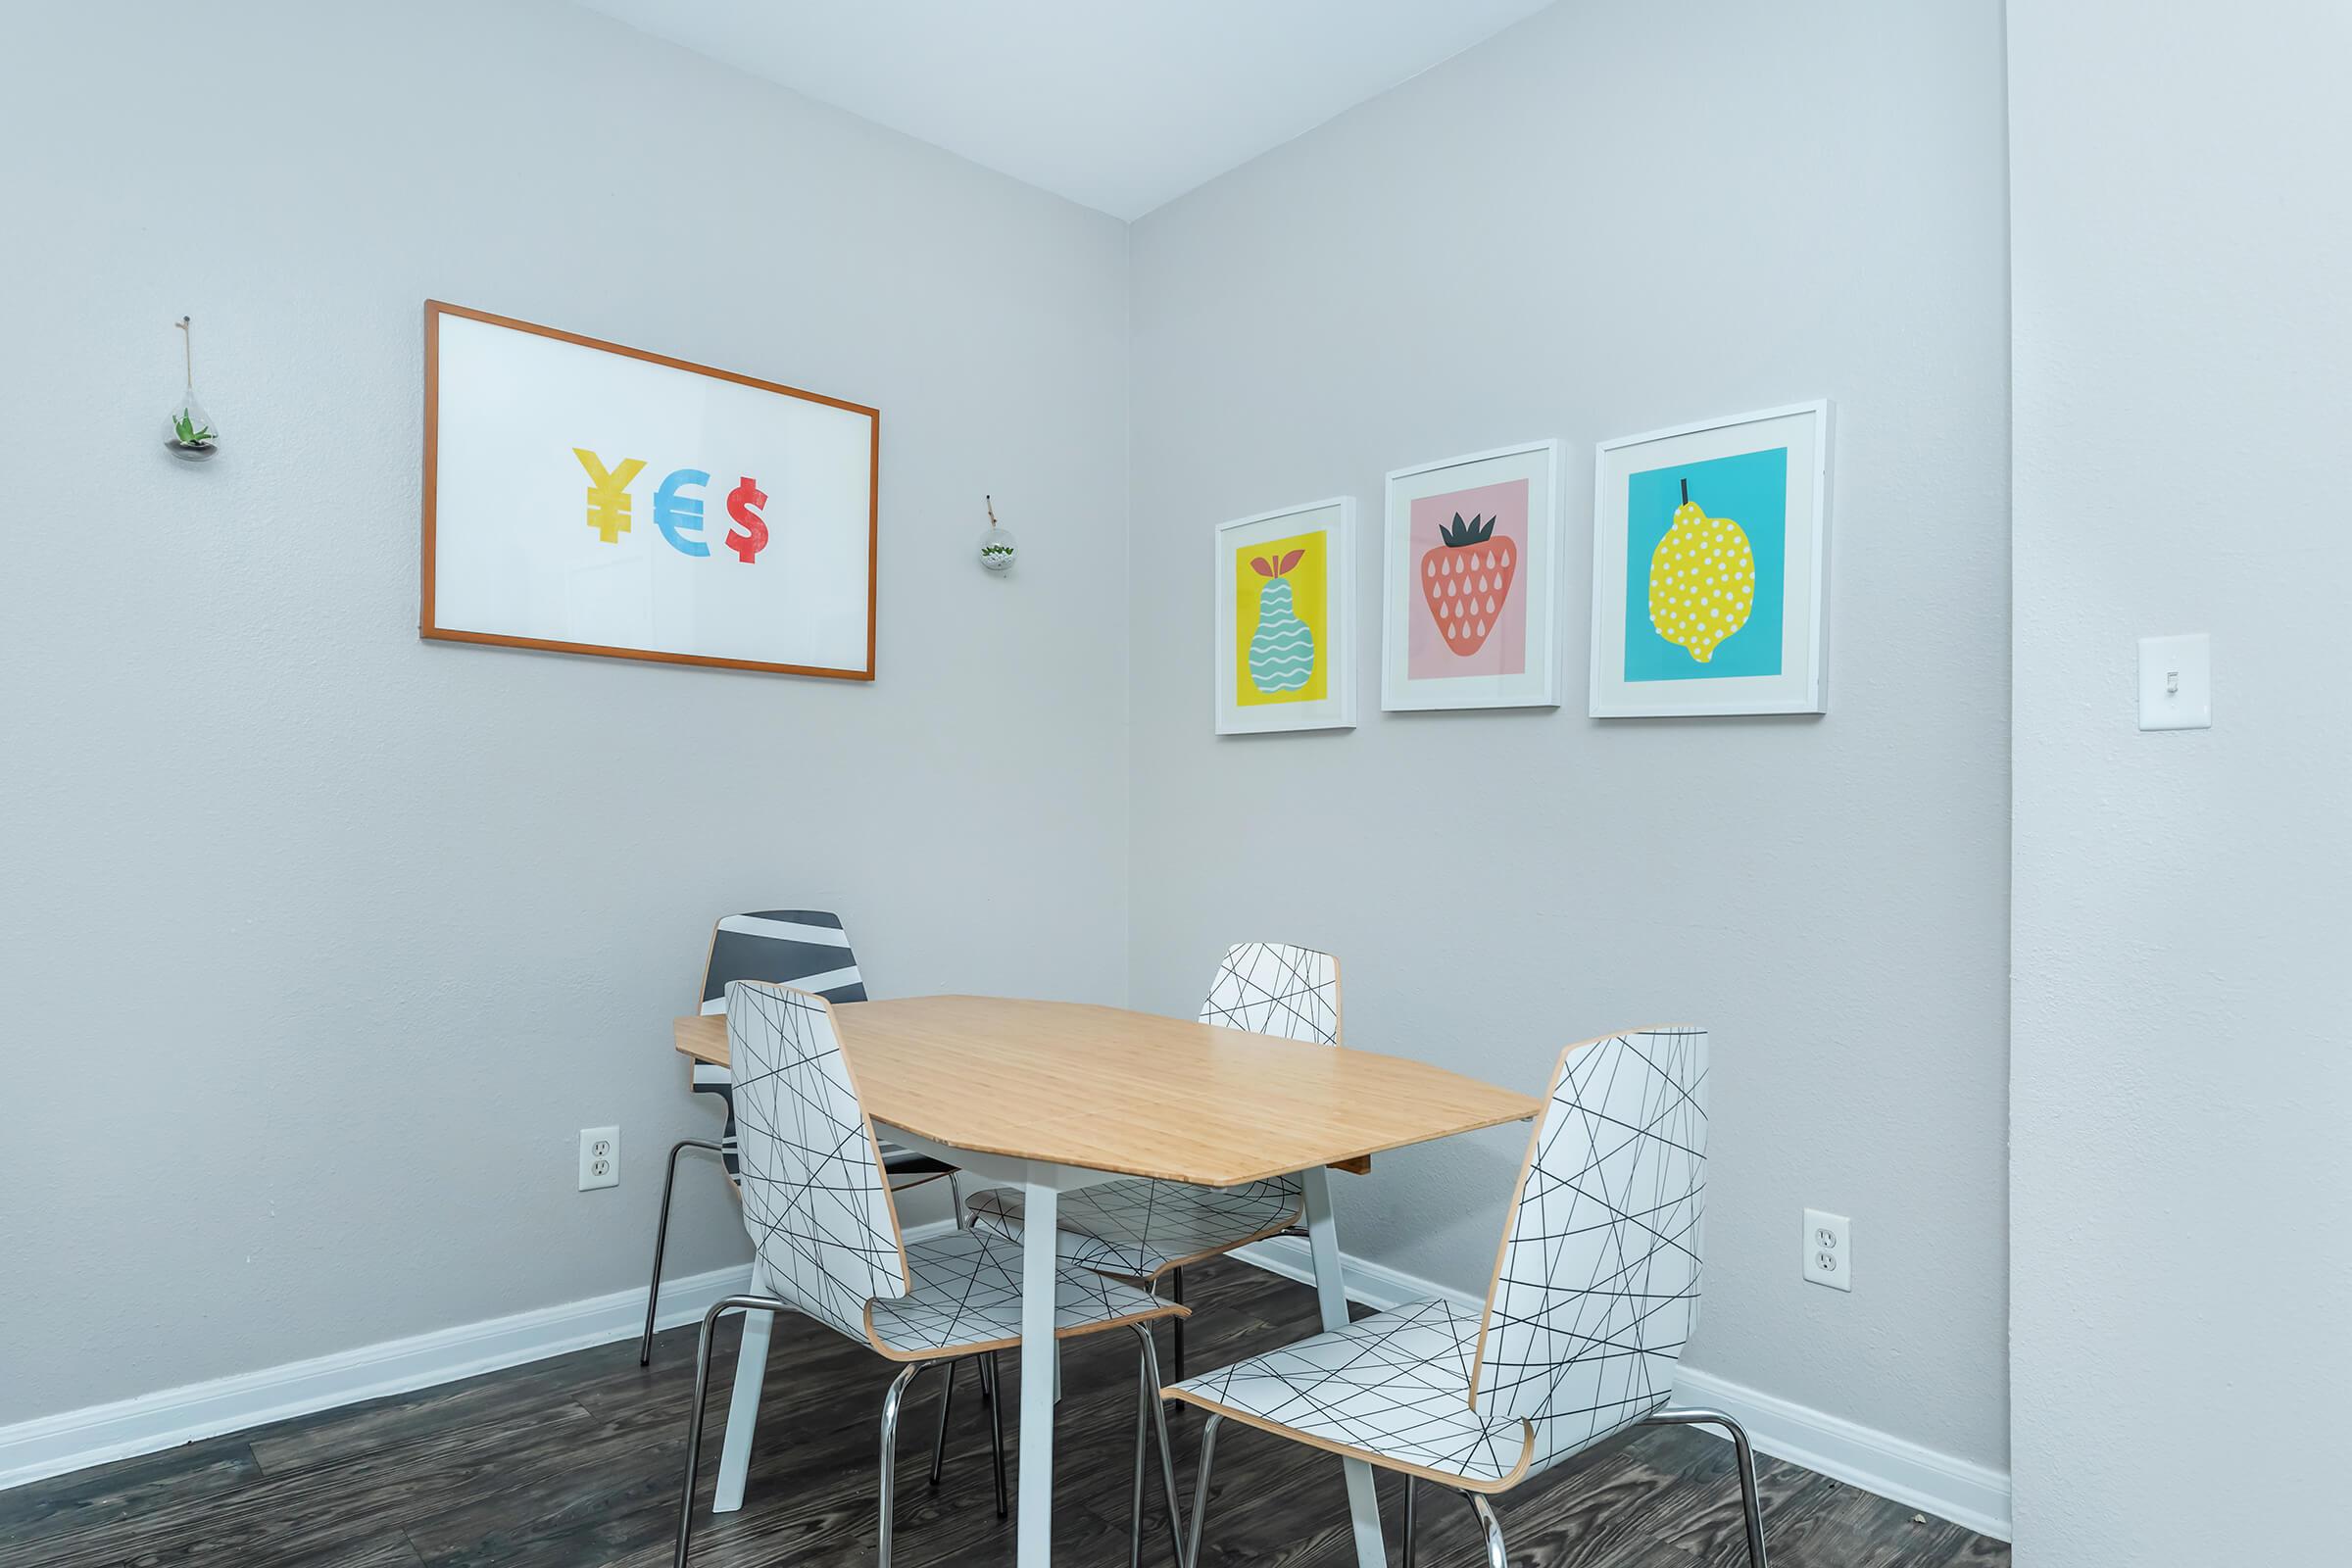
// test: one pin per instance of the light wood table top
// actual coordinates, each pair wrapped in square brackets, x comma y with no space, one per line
[1074,1084]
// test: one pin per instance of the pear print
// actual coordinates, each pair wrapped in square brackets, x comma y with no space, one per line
[1703,580]
[1282,654]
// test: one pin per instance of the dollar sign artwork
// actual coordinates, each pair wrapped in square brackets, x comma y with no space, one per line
[750,535]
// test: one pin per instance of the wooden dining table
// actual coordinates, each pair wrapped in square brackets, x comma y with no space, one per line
[1050,1096]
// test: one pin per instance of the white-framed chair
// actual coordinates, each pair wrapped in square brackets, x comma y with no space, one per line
[804,948]
[1148,1230]
[826,1241]
[1595,1290]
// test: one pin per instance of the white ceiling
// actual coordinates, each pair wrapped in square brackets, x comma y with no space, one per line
[1117,104]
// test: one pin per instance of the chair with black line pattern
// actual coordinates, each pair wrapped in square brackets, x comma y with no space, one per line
[828,1243]
[1594,1293]
[802,948]
[1148,1230]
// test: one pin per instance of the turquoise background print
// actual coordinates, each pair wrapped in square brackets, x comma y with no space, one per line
[1751,489]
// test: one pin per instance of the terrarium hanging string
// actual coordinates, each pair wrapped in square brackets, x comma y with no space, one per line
[190,433]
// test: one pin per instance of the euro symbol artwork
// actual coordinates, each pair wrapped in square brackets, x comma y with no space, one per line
[750,535]
[678,516]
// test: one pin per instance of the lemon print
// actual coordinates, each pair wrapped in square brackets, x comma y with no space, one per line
[1703,580]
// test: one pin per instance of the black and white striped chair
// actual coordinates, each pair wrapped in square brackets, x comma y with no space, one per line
[1142,1228]
[802,948]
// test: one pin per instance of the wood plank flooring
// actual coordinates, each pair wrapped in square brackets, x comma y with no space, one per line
[574,1464]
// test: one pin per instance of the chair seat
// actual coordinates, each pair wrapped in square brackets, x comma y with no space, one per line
[1393,1389]
[900,1160]
[964,1295]
[1141,1229]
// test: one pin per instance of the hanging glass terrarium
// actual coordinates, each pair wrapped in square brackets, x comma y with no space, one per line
[188,431]
[996,545]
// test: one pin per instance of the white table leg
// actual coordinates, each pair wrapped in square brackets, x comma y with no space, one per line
[1040,1203]
[1323,1237]
[742,1408]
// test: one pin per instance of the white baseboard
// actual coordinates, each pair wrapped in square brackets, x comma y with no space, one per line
[1959,1489]
[75,1439]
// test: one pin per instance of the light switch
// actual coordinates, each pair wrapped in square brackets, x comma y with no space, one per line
[2175,682]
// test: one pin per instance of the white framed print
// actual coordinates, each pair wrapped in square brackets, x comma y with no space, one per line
[588,498]
[1711,568]
[1470,591]
[1286,619]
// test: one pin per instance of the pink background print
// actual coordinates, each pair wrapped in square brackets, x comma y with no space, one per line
[1505,652]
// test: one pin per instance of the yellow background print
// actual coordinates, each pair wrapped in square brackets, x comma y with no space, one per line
[1308,602]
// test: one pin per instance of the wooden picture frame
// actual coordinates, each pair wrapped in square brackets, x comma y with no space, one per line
[506,560]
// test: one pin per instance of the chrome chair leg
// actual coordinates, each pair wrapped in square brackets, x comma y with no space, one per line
[1135,1504]
[983,1368]
[1176,1324]
[890,1450]
[963,1221]
[1491,1525]
[702,1389]
[990,1380]
[947,1403]
[1208,1456]
[1750,1505]
[1146,1399]
[652,1292]
[1412,1483]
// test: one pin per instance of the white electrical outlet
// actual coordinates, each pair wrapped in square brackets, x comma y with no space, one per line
[600,1157]
[1829,1249]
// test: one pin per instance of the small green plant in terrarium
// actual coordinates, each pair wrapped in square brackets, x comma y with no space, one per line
[191,433]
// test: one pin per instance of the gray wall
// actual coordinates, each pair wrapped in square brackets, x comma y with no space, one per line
[1608,219]
[319,942]
[2180,1264]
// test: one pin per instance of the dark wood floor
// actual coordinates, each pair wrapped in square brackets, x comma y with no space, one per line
[574,1464]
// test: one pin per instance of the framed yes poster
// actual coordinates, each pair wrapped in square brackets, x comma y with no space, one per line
[1286,619]
[588,498]
[1710,568]
[1470,591]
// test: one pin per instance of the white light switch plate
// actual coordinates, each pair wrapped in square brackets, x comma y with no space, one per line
[2175,682]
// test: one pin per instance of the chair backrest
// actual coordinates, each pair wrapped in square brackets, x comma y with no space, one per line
[1271,988]
[814,1201]
[804,948]
[1597,1281]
